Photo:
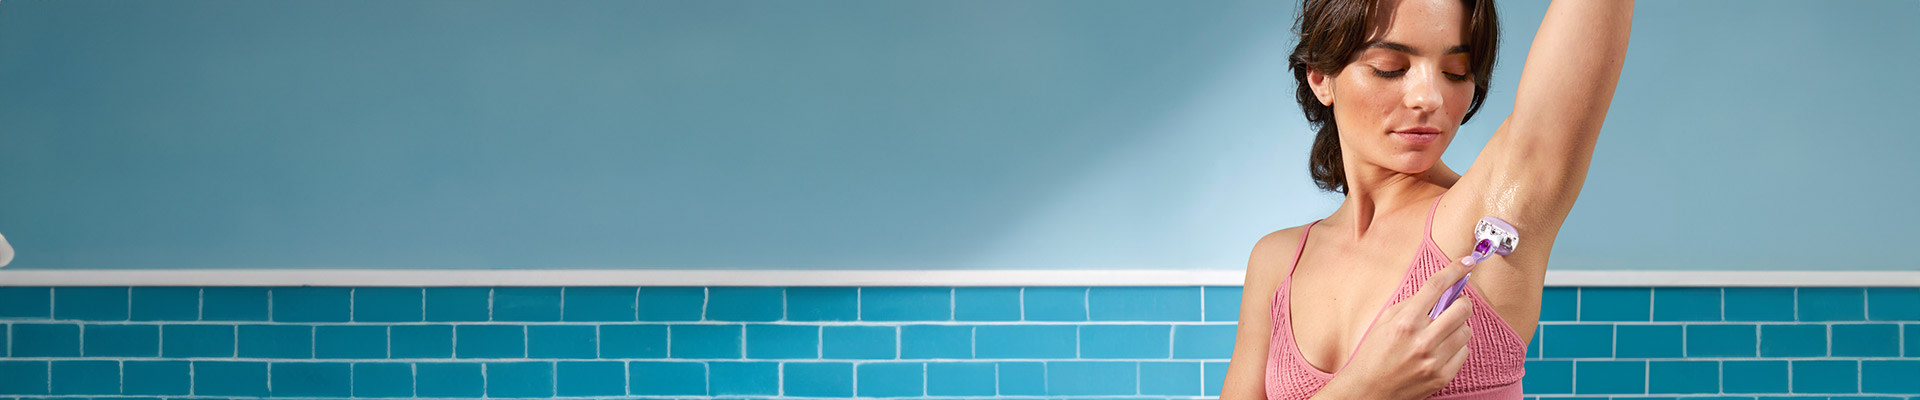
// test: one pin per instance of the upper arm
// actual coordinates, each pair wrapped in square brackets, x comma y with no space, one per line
[1532,169]
[1246,373]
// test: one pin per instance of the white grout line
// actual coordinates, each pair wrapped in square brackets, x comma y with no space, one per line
[1086,304]
[1866,306]
[1046,385]
[49,377]
[1023,304]
[1722,302]
[1650,298]
[350,367]
[1579,294]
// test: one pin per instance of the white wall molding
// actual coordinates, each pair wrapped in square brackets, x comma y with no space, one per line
[657,277]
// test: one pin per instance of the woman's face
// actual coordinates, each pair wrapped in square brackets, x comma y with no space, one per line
[1400,100]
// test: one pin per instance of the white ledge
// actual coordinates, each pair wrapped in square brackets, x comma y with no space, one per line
[659,277]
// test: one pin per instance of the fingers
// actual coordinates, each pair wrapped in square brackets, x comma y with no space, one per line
[1455,345]
[1459,355]
[1452,319]
[1455,337]
[1430,291]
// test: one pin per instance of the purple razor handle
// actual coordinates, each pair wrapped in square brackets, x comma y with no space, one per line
[1495,237]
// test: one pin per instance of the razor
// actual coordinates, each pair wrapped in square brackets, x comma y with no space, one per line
[1492,236]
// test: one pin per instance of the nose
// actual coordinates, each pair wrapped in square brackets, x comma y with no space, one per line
[1423,91]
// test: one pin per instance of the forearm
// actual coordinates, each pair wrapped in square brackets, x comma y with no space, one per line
[1571,71]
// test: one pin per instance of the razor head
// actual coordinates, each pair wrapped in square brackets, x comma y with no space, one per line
[1497,234]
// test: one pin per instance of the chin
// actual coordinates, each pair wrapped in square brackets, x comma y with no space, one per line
[1416,162]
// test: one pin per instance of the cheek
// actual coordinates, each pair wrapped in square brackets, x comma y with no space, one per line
[1370,102]
[1458,100]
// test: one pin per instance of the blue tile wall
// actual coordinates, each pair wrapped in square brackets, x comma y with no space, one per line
[522,304]
[967,378]
[881,342]
[819,379]
[382,379]
[743,304]
[986,304]
[166,304]
[590,378]
[91,303]
[388,304]
[612,304]
[442,379]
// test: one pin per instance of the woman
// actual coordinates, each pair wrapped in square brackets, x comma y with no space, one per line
[1338,308]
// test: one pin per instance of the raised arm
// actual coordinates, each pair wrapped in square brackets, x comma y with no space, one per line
[1532,169]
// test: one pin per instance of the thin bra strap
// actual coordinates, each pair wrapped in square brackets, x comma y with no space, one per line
[1300,249]
[1435,209]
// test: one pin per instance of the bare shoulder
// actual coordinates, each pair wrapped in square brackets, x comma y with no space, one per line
[1271,256]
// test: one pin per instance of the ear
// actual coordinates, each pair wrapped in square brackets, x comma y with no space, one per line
[1322,86]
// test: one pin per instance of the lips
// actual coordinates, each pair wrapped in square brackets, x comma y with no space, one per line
[1418,129]
[1418,134]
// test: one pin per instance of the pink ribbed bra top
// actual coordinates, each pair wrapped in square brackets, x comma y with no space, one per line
[1495,361]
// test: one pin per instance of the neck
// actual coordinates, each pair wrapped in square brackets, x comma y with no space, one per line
[1373,192]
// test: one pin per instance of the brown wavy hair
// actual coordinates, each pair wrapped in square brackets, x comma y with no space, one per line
[1331,32]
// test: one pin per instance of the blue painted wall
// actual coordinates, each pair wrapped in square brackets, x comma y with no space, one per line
[1752,134]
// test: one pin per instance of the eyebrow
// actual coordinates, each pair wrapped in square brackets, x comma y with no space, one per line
[1403,48]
